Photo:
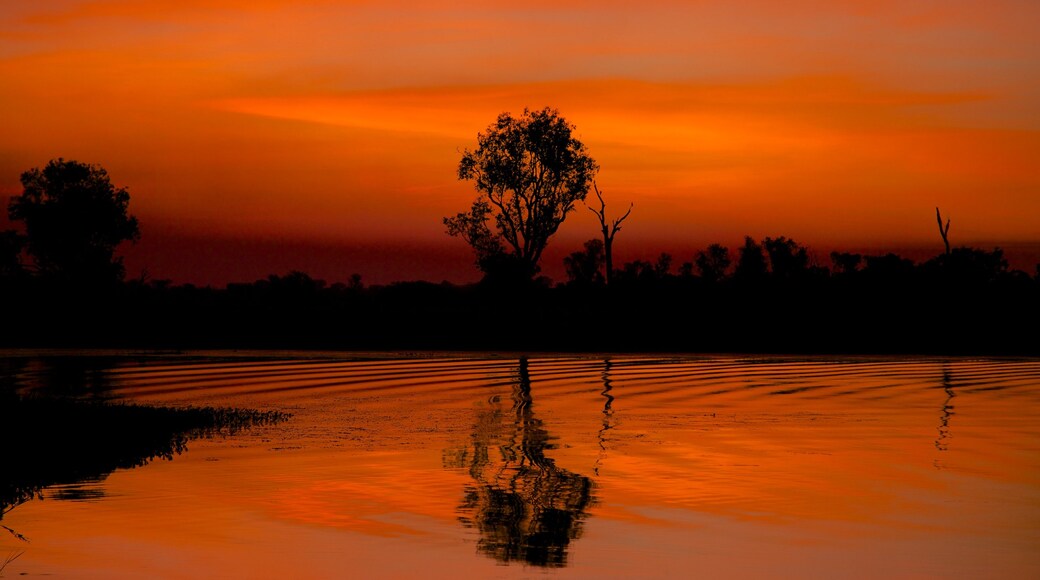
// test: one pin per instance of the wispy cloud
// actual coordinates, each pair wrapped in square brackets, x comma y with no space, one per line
[826,119]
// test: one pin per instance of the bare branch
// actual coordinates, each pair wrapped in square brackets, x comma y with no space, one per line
[943,231]
[601,213]
[617,223]
[608,231]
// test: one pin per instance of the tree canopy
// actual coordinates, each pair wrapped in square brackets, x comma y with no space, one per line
[529,171]
[74,219]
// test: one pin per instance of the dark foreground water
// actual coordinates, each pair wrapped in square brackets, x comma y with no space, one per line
[497,466]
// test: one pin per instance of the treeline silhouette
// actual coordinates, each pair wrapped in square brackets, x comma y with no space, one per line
[62,283]
[770,296]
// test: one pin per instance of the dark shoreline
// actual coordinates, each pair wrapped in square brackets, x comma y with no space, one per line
[895,309]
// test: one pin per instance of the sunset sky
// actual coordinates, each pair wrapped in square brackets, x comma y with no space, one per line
[261,136]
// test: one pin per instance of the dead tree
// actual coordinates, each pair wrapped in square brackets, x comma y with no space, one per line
[609,231]
[943,230]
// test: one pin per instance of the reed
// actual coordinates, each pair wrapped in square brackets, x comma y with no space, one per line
[48,440]
[8,559]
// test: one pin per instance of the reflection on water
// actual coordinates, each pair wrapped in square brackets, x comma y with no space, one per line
[942,441]
[525,507]
[626,466]
[608,415]
[65,435]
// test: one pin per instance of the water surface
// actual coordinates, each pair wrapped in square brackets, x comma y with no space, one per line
[436,465]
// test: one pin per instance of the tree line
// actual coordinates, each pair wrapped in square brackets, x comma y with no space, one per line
[63,282]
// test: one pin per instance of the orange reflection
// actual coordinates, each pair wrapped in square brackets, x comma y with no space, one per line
[895,467]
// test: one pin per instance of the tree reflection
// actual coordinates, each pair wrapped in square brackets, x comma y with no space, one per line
[525,507]
[608,413]
[942,441]
[73,376]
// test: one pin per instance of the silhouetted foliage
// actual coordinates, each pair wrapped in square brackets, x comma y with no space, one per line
[751,263]
[889,267]
[528,171]
[713,262]
[295,283]
[787,259]
[968,265]
[643,272]
[506,270]
[53,440]
[74,220]
[491,256]
[586,267]
[635,272]
[846,262]
[355,282]
[663,265]
[969,301]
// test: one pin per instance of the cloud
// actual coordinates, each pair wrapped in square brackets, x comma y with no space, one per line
[836,120]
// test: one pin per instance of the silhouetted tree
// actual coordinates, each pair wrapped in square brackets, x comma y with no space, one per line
[713,262]
[889,267]
[751,264]
[74,219]
[968,265]
[293,283]
[642,271]
[686,270]
[787,259]
[585,267]
[663,265]
[529,171]
[846,262]
[355,283]
[636,271]
[608,231]
[491,256]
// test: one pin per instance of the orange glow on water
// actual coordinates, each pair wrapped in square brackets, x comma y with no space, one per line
[861,467]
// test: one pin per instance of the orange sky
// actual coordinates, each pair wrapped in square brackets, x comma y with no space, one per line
[260,136]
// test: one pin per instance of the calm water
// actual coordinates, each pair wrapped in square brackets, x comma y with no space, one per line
[490,466]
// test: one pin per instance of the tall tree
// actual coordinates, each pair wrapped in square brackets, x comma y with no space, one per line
[74,219]
[608,231]
[529,171]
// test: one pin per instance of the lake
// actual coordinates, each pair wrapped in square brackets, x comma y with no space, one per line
[445,465]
